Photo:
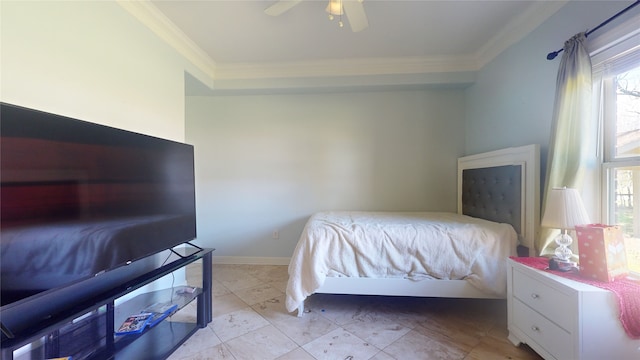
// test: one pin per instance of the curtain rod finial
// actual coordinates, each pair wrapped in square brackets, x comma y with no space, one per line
[552,55]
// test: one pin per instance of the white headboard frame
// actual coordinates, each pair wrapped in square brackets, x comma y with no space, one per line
[529,158]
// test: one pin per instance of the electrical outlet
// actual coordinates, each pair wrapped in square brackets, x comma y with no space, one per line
[275,234]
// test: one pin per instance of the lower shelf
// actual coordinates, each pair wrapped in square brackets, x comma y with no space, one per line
[156,343]
[87,338]
[162,339]
[176,295]
[86,327]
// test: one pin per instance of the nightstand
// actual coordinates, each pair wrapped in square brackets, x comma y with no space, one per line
[564,319]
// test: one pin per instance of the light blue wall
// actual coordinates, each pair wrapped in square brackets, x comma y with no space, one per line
[511,103]
[267,162]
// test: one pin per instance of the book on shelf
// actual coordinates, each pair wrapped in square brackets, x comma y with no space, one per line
[134,324]
[148,317]
[159,311]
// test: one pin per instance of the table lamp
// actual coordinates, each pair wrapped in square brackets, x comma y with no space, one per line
[564,210]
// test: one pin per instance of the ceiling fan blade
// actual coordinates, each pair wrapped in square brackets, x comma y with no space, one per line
[280,7]
[356,15]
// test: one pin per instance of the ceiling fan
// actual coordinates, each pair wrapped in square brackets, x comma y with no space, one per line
[353,9]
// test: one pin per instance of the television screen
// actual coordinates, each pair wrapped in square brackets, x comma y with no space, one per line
[78,199]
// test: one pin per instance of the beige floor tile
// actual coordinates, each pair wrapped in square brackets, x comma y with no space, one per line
[257,294]
[341,326]
[302,330]
[227,303]
[266,343]
[237,323]
[297,354]
[341,309]
[382,356]
[491,348]
[268,273]
[500,333]
[406,311]
[280,285]
[235,277]
[340,344]
[241,283]
[203,339]
[217,289]
[376,330]
[449,329]
[415,345]
[218,352]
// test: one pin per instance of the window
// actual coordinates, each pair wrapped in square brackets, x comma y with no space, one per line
[621,159]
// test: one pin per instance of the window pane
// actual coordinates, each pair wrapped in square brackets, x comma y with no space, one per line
[632,246]
[625,209]
[628,114]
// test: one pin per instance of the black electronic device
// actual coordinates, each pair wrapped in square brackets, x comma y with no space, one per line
[83,207]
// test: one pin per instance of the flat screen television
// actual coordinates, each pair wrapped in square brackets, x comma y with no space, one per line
[83,206]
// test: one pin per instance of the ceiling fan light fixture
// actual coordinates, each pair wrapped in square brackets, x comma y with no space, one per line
[352,9]
[334,8]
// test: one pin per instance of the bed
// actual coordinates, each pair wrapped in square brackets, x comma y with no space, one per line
[426,254]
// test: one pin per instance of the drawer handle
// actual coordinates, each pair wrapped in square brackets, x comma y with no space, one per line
[535,296]
[535,328]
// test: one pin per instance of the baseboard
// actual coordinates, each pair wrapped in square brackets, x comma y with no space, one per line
[251,260]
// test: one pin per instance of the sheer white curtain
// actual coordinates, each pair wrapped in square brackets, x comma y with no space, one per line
[572,129]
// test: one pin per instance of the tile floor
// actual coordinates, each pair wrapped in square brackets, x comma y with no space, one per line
[250,322]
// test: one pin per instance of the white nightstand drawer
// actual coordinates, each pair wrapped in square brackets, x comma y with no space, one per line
[565,319]
[549,302]
[546,334]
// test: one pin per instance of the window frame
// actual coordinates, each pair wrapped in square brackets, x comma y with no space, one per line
[609,52]
[610,161]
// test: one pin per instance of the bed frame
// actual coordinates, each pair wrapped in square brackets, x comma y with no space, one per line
[502,186]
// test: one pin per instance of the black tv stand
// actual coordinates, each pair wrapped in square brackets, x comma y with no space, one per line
[97,319]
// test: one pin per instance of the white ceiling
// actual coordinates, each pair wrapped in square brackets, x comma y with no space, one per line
[239,41]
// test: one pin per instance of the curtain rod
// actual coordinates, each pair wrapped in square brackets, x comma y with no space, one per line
[552,55]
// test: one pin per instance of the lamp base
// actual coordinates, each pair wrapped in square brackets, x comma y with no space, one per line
[562,265]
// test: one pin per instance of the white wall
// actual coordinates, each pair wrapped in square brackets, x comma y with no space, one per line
[94,61]
[267,162]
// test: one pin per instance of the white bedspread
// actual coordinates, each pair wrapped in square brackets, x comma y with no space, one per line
[400,245]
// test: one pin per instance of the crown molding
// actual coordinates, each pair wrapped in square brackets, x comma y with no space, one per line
[401,67]
[519,27]
[298,85]
[156,21]
[148,14]
[342,67]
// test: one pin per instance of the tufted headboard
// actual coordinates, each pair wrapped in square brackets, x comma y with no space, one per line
[494,193]
[503,186]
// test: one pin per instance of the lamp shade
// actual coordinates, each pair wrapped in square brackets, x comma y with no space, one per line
[564,209]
